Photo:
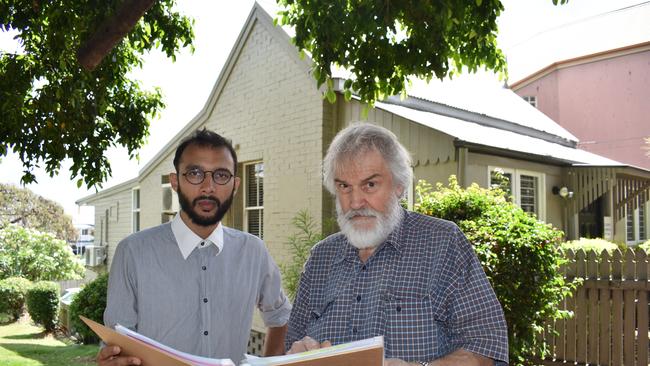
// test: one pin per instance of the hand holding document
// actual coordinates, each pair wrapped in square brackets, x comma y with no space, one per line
[367,352]
[150,352]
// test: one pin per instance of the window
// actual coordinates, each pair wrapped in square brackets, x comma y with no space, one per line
[635,221]
[135,210]
[532,100]
[169,200]
[525,188]
[254,198]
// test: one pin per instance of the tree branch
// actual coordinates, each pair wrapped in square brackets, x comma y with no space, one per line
[91,53]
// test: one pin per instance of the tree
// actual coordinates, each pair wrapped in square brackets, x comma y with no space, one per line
[520,255]
[23,207]
[36,256]
[384,42]
[51,108]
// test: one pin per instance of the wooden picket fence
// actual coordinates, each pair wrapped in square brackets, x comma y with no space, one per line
[610,323]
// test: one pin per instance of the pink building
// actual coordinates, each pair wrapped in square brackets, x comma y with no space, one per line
[601,98]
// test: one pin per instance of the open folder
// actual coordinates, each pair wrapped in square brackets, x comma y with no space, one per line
[150,352]
[366,352]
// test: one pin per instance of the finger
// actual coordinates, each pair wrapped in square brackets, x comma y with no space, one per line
[124,361]
[310,343]
[326,344]
[108,352]
[297,347]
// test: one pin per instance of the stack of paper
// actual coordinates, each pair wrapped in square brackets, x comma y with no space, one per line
[367,352]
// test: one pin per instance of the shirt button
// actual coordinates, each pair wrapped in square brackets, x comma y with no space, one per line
[363,268]
[354,330]
[358,297]
[204,268]
[205,333]
[399,308]
[202,243]
[205,299]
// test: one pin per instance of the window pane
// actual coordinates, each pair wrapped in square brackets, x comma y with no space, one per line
[642,228]
[252,187]
[136,199]
[629,222]
[499,179]
[255,222]
[136,221]
[528,193]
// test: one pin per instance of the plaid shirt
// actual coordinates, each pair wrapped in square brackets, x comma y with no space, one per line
[423,289]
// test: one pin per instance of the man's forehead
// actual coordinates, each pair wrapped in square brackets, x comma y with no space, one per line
[366,163]
[204,153]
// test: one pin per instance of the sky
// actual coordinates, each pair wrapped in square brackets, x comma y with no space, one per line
[187,83]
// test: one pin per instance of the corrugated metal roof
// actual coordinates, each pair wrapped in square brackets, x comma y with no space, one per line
[492,137]
[489,100]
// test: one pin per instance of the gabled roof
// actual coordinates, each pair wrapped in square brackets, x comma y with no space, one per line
[258,15]
[579,41]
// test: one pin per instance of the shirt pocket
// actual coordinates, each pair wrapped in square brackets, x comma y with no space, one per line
[318,315]
[416,328]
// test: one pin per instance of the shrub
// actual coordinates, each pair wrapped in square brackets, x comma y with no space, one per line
[43,303]
[12,296]
[645,246]
[89,302]
[597,245]
[300,245]
[36,256]
[520,255]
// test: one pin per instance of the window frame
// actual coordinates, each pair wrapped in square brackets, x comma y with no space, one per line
[515,186]
[246,208]
[135,211]
[531,99]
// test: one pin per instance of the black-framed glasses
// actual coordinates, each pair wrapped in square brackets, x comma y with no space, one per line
[197,176]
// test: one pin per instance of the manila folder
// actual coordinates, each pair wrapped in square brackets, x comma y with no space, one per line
[150,356]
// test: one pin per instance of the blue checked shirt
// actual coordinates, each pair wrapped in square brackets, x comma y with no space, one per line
[423,289]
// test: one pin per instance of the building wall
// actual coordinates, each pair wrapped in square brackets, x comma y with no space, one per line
[478,165]
[603,103]
[114,209]
[272,111]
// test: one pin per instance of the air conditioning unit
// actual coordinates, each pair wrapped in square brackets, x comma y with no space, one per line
[95,255]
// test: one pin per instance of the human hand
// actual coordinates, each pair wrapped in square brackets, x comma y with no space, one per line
[109,356]
[307,344]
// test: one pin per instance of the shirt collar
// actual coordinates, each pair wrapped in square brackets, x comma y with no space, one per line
[393,239]
[187,240]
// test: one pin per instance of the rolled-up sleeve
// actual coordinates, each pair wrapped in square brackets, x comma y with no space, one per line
[478,324]
[273,304]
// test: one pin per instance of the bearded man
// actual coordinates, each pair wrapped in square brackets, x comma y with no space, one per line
[411,278]
[192,283]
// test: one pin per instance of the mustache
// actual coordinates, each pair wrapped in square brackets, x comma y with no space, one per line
[360,212]
[206,198]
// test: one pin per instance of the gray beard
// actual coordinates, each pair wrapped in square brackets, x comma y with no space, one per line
[371,238]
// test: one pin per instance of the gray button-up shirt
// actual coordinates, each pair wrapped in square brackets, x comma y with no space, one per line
[203,304]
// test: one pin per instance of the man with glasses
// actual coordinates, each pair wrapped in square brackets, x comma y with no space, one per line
[192,283]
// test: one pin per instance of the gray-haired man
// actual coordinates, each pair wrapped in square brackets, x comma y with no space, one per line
[411,278]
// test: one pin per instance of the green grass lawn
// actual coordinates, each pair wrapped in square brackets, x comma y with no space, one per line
[23,344]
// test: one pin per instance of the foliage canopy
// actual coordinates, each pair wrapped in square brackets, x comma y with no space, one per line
[36,256]
[24,207]
[520,255]
[384,42]
[51,109]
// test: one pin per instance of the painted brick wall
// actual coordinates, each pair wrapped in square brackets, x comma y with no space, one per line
[272,111]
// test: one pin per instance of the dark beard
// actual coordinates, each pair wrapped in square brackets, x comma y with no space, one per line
[188,208]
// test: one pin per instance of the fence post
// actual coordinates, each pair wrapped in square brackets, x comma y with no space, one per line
[617,309]
[629,321]
[642,306]
[605,317]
